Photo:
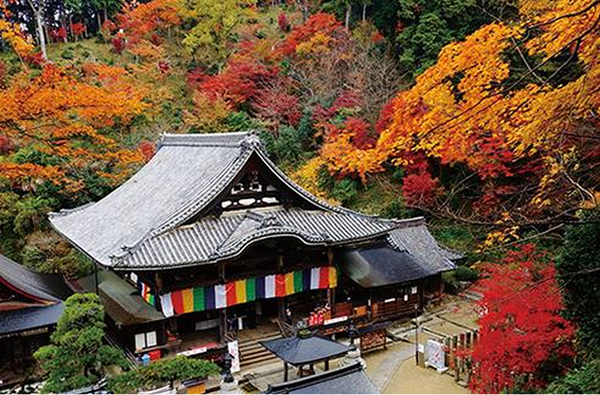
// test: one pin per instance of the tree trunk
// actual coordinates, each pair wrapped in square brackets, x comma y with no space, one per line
[99,21]
[39,25]
[63,22]
[364,13]
[348,12]
[71,24]
[105,14]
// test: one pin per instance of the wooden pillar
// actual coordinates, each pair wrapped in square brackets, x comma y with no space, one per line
[222,324]
[158,283]
[331,291]
[221,269]
[326,365]
[281,309]
[285,371]
[370,306]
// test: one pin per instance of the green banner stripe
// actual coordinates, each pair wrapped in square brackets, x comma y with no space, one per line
[199,304]
[250,289]
[298,281]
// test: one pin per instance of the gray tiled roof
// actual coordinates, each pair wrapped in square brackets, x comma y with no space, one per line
[185,175]
[418,241]
[350,379]
[211,239]
[299,351]
[141,223]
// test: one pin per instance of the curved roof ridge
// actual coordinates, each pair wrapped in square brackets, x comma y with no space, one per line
[203,139]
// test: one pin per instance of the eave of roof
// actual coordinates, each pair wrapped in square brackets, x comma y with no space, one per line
[349,379]
[40,287]
[120,299]
[15,321]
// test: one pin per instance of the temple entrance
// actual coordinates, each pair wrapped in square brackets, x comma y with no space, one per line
[250,315]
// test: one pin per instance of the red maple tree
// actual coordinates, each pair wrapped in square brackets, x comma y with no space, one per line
[524,340]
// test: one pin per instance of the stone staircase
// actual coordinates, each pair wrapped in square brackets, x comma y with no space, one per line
[253,353]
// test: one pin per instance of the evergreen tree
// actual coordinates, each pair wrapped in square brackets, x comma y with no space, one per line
[76,356]
[579,277]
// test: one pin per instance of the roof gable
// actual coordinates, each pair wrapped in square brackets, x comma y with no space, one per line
[185,174]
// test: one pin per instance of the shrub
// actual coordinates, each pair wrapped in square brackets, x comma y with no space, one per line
[160,372]
[287,145]
[584,380]
[464,273]
[345,190]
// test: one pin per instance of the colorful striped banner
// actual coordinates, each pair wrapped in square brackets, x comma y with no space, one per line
[241,291]
[146,293]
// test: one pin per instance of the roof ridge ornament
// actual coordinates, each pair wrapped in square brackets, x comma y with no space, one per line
[252,141]
[269,221]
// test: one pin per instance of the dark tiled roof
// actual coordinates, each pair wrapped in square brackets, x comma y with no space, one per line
[120,299]
[48,287]
[301,351]
[378,266]
[30,318]
[346,380]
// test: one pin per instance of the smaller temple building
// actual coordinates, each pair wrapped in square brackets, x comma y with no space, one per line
[30,305]
[210,241]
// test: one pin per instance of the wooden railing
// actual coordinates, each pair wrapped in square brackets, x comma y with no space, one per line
[230,336]
[286,329]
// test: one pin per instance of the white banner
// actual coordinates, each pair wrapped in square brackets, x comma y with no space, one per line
[435,354]
[233,350]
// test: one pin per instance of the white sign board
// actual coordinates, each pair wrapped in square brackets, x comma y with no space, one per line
[194,351]
[233,350]
[336,320]
[435,355]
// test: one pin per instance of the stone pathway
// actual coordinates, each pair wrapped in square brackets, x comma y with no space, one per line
[381,365]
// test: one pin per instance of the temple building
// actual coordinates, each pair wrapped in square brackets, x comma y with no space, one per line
[30,305]
[216,241]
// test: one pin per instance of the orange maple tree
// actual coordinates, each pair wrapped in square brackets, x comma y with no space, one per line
[58,127]
[528,134]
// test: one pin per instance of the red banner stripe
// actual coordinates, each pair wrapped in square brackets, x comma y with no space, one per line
[230,294]
[324,277]
[280,285]
[177,300]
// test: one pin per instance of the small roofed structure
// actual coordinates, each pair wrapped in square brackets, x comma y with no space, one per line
[30,306]
[305,350]
[350,379]
[123,305]
[378,266]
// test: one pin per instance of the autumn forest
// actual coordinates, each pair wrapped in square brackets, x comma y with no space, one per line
[480,115]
